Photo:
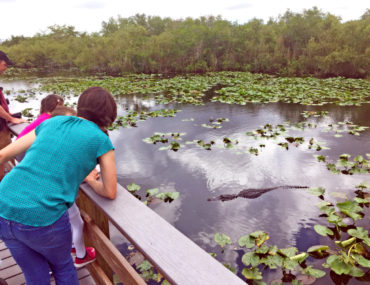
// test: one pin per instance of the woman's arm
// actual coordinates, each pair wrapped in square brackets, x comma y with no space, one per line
[17,147]
[108,187]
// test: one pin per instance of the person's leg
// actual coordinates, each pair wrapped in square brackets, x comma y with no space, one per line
[53,243]
[77,226]
[84,255]
[34,266]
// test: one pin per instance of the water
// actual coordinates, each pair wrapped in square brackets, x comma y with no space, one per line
[287,215]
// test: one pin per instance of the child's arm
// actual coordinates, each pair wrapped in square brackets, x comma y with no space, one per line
[17,147]
[108,187]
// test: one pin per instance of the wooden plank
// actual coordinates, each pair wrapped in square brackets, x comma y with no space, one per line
[81,274]
[11,271]
[98,274]
[5,253]
[7,262]
[125,272]
[16,280]
[87,281]
[16,129]
[2,245]
[101,220]
[179,259]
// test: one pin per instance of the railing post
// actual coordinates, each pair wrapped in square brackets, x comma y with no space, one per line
[100,219]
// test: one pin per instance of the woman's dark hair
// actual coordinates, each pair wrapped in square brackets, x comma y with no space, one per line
[49,103]
[63,111]
[97,105]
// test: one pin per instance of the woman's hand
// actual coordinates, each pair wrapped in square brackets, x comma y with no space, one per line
[108,186]
[93,176]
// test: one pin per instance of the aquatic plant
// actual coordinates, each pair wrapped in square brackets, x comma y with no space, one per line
[350,257]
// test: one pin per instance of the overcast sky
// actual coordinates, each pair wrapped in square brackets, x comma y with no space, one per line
[28,17]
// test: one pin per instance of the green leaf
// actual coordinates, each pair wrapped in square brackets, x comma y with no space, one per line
[260,237]
[252,274]
[320,158]
[335,219]
[350,208]
[247,241]
[361,201]
[322,230]
[232,269]
[346,243]
[222,239]
[263,249]
[152,191]
[359,232]
[356,272]
[338,265]
[361,260]
[132,187]
[288,252]
[319,191]
[313,272]
[144,266]
[168,196]
[299,257]
[250,258]
[363,185]
[258,282]
[290,264]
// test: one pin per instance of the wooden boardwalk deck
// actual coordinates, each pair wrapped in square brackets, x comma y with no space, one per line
[12,274]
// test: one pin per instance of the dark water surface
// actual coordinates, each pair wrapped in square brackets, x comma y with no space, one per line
[287,215]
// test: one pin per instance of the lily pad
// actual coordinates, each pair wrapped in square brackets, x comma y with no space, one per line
[322,230]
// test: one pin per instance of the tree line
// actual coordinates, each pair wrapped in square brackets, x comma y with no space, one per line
[311,43]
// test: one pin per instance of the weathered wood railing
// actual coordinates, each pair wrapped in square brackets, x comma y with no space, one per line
[175,256]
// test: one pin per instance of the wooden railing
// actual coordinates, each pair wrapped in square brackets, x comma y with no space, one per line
[174,255]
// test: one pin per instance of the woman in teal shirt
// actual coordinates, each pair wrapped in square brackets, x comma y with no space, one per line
[36,194]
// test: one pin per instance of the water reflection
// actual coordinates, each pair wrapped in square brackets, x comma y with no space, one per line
[288,215]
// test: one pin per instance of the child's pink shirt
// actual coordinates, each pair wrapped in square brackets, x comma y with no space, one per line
[34,124]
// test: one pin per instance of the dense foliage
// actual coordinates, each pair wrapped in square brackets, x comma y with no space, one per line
[294,44]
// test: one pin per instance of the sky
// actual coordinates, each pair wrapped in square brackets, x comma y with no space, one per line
[28,17]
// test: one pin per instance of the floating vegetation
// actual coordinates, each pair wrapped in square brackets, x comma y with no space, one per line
[205,145]
[359,165]
[309,114]
[257,88]
[215,123]
[315,145]
[21,99]
[132,117]
[301,126]
[165,138]
[26,113]
[268,131]
[152,195]
[229,143]
[349,259]
[238,88]
[345,127]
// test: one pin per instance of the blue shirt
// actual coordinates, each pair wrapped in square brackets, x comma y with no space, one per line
[39,190]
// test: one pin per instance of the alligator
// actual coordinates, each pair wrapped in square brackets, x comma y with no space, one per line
[252,193]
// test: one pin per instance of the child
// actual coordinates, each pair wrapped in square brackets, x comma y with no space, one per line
[36,194]
[48,104]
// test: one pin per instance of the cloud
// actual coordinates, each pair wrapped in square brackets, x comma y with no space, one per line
[239,6]
[92,5]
